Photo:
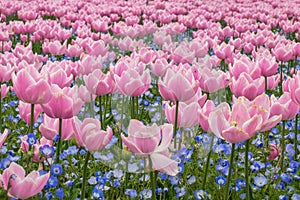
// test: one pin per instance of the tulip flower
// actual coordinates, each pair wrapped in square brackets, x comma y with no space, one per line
[177,86]
[204,112]
[3,137]
[5,72]
[25,111]
[275,151]
[187,114]
[294,88]
[21,186]
[49,128]
[4,90]
[152,141]
[64,104]
[234,125]
[31,87]
[89,134]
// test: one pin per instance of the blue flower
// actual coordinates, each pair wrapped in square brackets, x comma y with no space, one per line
[132,193]
[31,140]
[49,195]
[146,194]
[60,193]
[174,180]
[163,176]
[286,178]
[117,183]
[97,192]
[56,169]
[47,150]
[295,197]
[180,192]
[52,181]
[283,197]
[201,194]
[220,180]
[260,180]
[191,180]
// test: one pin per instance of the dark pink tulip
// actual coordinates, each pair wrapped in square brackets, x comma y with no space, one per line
[99,83]
[177,86]
[21,186]
[31,87]
[64,104]
[89,134]
[3,137]
[152,141]
[275,151]
[25,111]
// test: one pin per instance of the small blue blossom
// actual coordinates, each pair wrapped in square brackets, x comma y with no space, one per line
[130,192]
[60,193]
[220,180]
[56,169]
[97,192]
[31,140]
[47,150]
[146,194]
[260,180]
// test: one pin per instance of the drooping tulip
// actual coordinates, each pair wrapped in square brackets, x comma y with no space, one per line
[152,141]
[21,186]
[89,134]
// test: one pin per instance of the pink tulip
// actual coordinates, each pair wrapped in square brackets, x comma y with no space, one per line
[247,87]
[204,112]
[85,95]
[283,52]
[187,114]
[268,65]
[211,80]
[147,56]
[49,128]
[284,106]
[294,88]
[25,111]
[5,72]
[262,105]
[74,51]
[99,83]
[234,125]
[182,54]
[177,86]
[3,137]
[275,151]
[89,64]
[200,48]
[57,75]
[152,141]
[198,97]
[21,186]
[4,90]
[224,51]
[244,64]
[273,81]
[36,152]
[160,66]
[55,48]
[30,86]
[132,83]
[97,48]
[64,104]
[89,134]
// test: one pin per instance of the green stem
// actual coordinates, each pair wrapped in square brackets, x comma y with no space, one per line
[282,144]
[281,76]
[100,111]
[229,173]
[84,175]
[132,108]
[266,84]
[207,163]
[175,124]
[59,140]
[247,171]
[295,138]
[31,118]
[153,181]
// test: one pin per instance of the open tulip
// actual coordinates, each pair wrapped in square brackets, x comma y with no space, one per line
[21,186]
[31,87]
[25,111]
[152,141]
[89,134]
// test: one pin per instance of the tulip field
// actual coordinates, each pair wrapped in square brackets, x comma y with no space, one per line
[149,99]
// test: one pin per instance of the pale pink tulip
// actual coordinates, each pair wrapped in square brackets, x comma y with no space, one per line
[267,64]
[3,137]
[49,128]
[64,104]
[132,83]
[247,87]
[99,83]
[5,72]
[187,114]
[284,106]
[57,75]
[283,52]
[160,66]
[90,135]
[89,64]
[234,125]
[177,86]
[152,141]
[294,88]
[4,90]
[25,111]
[204,112]
[31,87]
[21,186]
